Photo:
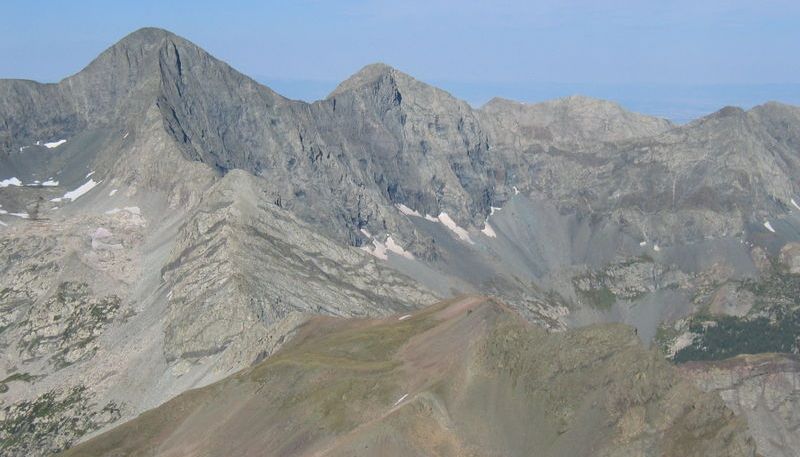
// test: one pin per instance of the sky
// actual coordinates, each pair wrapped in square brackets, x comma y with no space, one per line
[676,58]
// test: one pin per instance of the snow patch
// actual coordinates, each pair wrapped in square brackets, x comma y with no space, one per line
[795,204]
[516,191]
[50,183]
[769,226]
[494,209]
[77,193]
[399,400]
[451,224]
[380,250]
[428,217]
[643,243]
[90,174]
[125,136]
[54,144]
[111,194]
[402,318]
[406,210]
[3,224]
[683,341]
[488,230]
[21,215]
[10,182]
[656,247]
[397,249]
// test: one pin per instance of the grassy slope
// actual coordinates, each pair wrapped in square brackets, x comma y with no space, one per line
[478,381]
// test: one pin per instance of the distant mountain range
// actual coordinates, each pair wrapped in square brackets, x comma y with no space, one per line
[680,103]
[169,224]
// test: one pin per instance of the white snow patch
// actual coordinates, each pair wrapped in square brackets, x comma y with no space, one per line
[431,218]
[402,318]
[90,174]
[406,210]
[397,249]
[379,251]
[683,341]
[366,233]
[111,194]
[494,209]
[451,224]
[643,243]
[54,144]
[3,224]
[57,199]
[22,215]
[10,182]
[795,204]
[77,193]
[2,211]
[769,226]
[488,230]
[125,136]
[50,183]
[399,400]
[516,191]
[656,248]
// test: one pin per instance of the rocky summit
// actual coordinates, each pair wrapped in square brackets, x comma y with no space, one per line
[388,271]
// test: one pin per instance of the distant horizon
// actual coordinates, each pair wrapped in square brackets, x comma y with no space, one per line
[679,60]
[678,102]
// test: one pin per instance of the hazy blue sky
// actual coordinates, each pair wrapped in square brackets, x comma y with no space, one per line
[537,48]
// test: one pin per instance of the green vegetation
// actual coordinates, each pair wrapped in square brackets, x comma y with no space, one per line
[600,298]
[69,335]
[22,377]
[67,414]
[727,336]
[772,325]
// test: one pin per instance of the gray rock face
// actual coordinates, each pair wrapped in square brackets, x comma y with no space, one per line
[241,265]
[764,389]
[567,122]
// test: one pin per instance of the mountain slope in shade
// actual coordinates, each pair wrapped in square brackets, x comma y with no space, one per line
[464,377]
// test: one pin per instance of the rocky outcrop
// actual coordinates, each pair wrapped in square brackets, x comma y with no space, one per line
[764,389]
[241,266]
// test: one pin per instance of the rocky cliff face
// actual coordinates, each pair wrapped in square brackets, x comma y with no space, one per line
[765,389]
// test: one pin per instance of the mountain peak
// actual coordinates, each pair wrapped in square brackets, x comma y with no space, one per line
[368,75]
[145,35]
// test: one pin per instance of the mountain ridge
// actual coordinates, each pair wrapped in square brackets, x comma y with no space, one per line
[167,221]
